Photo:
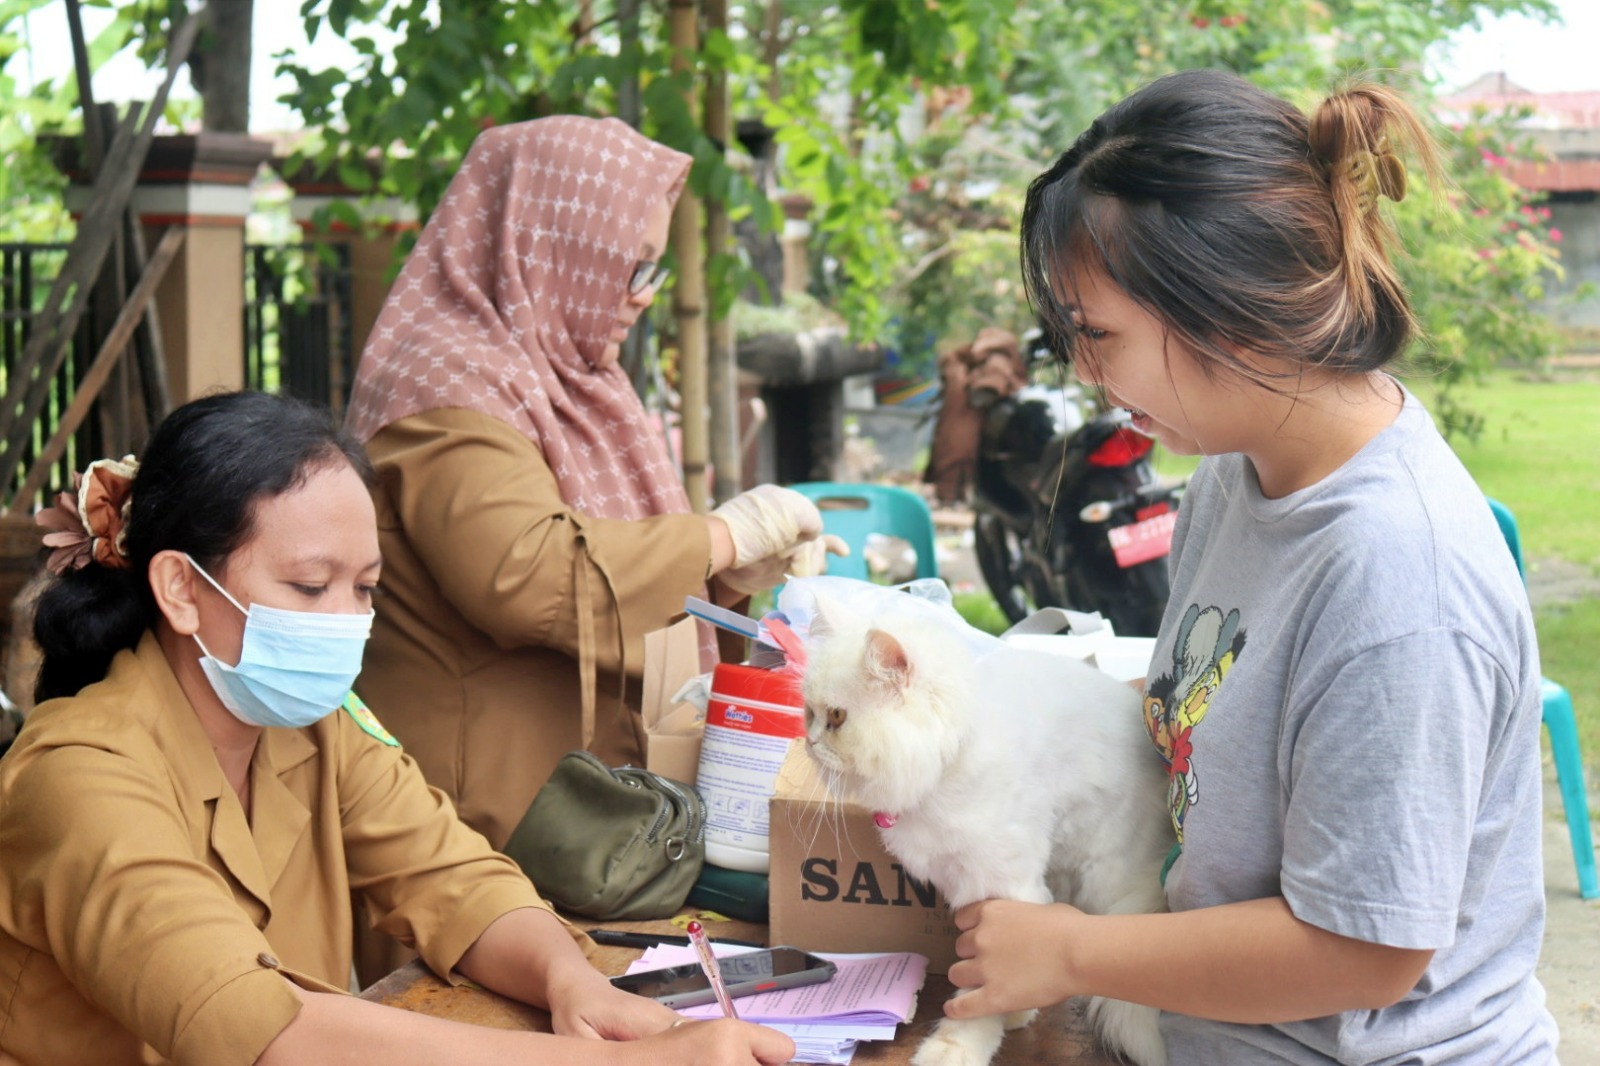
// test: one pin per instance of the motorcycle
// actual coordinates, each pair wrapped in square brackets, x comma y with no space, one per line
[1069,511]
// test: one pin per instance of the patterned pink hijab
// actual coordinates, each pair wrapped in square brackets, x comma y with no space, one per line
[508,300]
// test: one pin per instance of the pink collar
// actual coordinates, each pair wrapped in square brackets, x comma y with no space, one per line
[884,820]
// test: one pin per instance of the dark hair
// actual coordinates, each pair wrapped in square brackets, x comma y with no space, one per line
[207,465]
[1234,219]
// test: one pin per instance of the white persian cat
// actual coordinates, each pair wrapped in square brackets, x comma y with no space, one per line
[993,772]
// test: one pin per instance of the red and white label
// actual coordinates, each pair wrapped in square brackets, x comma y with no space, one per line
[751,717]
[1143,541]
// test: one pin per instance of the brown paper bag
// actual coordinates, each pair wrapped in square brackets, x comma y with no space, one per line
[672,730]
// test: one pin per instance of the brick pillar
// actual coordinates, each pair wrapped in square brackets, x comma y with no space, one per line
[201,182]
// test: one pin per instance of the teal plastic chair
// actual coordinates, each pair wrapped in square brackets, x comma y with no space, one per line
[1563,726]
[853,511]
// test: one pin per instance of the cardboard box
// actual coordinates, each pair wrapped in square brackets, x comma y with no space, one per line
[832,885]
[672,730]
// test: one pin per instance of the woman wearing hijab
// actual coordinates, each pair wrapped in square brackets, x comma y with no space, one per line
[533,527]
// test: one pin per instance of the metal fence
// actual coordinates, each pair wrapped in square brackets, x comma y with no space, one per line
[297,338]
[26,273]
[297,321]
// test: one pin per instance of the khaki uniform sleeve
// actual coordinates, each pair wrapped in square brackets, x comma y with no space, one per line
[133,920]
[482,510]
[432,882]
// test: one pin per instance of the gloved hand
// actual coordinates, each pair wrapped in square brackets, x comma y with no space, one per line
[811,558]
[768,520]
[807,559]
[766,525]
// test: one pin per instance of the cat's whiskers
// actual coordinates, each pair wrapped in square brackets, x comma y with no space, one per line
[827,797]
[841,825]
[836,801]
[812,832]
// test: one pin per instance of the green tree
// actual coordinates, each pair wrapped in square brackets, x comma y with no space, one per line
[1480,252]
[913,128]
[219,63]
[31,187]
[1482,258]
[830,78]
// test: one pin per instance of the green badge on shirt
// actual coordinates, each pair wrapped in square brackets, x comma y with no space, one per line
[363,717]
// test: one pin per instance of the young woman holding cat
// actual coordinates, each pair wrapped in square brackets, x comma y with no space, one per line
[1345,687]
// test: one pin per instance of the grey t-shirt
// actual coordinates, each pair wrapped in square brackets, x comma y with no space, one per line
[1346,688]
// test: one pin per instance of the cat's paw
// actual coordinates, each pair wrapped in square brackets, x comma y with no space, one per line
[1129,1030]
[961,1042]
[1019,1019]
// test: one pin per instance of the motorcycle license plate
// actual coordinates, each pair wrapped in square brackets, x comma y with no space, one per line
[1142,541]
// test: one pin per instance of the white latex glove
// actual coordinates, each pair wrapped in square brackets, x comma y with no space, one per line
[811,558]
[768,520]
[807,559]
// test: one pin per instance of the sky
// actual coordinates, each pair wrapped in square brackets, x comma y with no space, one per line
[277,27]
[1538,57]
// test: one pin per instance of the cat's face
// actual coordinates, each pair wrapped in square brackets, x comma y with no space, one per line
[886,706]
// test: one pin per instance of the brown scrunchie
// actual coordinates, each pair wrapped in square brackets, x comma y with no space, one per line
[89,524]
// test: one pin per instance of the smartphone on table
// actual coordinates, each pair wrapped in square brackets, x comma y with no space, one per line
[766,970]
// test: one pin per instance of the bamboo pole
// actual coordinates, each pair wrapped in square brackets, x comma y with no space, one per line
[149,352]
[635,349]
[722,364]
[111,284]
[689,295]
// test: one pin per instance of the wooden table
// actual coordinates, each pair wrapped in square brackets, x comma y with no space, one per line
[1060,1035]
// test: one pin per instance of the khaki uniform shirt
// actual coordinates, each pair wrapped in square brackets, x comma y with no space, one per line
[143,919]
[491,584]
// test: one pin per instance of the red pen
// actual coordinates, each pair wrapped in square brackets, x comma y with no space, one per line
[708,963]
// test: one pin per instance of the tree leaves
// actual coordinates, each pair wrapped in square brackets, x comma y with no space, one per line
[910,126]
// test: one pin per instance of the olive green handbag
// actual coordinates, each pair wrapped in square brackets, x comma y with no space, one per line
[611,843]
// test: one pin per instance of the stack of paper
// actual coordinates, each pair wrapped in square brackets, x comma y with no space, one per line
[866,1000]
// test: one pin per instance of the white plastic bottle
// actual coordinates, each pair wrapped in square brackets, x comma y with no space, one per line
[750,719]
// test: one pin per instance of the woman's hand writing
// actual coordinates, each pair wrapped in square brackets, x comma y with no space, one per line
[723,1042]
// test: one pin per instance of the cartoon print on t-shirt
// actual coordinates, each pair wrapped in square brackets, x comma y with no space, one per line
[1208,642]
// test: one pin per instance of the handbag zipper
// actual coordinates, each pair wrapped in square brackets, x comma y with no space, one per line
[629,776]
[691,804]
[696,830]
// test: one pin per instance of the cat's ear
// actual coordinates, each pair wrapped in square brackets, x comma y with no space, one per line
[887,658]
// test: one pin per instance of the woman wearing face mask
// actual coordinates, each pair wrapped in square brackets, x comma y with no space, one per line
[533,525]
[186,812]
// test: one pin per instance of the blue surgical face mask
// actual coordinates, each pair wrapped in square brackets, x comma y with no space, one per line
[295,667]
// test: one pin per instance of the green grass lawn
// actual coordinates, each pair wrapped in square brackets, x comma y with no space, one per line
[980,610]
[1540,455]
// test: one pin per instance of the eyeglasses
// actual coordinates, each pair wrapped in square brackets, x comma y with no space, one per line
[647,275]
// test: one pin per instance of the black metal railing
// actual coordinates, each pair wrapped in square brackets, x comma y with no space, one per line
[297,321]
[27,272]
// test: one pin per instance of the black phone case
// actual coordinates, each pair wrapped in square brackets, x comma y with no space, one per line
[812,975]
